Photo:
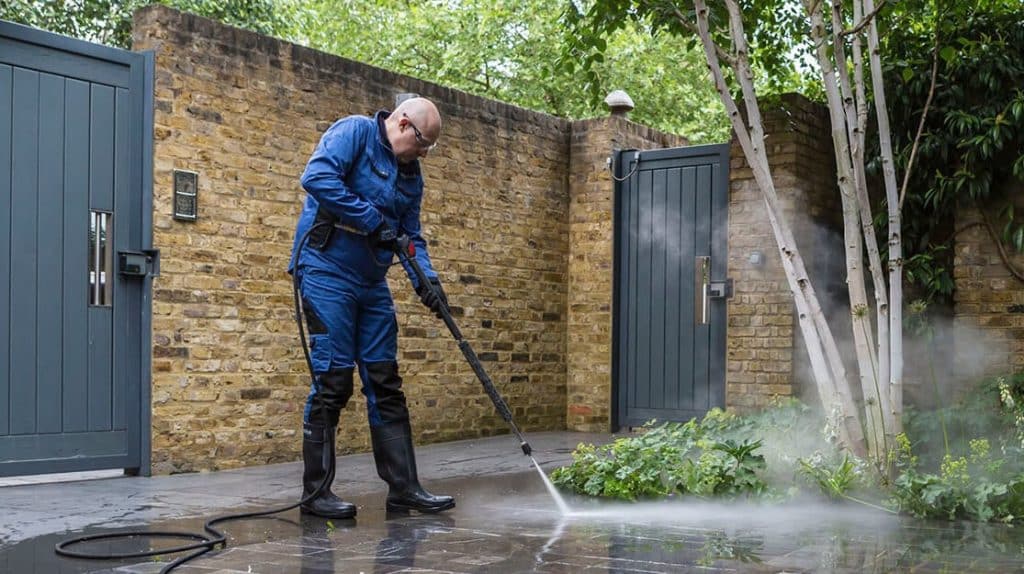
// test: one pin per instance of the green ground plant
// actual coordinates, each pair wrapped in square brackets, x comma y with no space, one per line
[976,473]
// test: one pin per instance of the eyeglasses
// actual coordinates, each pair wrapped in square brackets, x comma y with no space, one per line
[420,140]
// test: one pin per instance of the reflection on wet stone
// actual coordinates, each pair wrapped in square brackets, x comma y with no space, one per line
[510,526]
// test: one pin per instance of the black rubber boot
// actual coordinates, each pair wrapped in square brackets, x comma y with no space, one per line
[318,459]
[396,464]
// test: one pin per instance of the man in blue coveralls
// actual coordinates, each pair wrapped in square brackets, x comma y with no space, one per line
[363,182]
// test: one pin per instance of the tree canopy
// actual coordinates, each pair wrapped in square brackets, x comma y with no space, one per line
[508,50]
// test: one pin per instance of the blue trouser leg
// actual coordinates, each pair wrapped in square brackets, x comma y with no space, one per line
[377,341]
[331,306]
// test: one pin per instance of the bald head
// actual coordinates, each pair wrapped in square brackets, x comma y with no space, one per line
[413,128]
[423,114]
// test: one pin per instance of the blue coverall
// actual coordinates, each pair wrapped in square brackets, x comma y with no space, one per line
[354,175]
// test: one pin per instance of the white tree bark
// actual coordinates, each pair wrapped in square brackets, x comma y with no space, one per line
[847,138]
[841,114]
[895,227]
[881,375]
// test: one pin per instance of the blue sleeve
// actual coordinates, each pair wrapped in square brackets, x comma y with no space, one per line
[410,226]
[324,178]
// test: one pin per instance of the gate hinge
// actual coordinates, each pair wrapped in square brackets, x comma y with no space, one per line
[144,263]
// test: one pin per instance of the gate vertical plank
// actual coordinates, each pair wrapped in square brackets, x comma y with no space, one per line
[643,316]
[674,258]
[702,334]
[688,314]
[101,197]
[123,316]
[6,115]
[49,238]
[629,243]
[76,253]
[659,251]
[24,185]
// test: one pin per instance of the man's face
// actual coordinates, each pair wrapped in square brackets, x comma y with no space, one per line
[412,143]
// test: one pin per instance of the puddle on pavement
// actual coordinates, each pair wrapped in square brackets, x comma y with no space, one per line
[509,523]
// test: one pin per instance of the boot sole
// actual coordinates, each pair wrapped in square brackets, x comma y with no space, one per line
[396,507]
[340,515]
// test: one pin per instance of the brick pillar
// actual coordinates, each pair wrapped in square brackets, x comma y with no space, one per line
[766,355]
[591,233]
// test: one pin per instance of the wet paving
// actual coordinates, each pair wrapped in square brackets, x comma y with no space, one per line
[509,523]
[505,521]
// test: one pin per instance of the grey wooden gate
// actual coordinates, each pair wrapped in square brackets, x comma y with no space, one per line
[668,361]
[75,197]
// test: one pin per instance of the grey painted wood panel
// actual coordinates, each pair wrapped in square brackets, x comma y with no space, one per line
[670,211]
[23,278]
[49,239]
[100,368]
[73,137]
[75,281]
[6,132]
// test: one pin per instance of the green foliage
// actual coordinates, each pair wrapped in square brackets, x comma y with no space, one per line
[990,411]
[110,21]
[509,50]
[981,474]
[667,459]
[834,480]
[718,457]
[964,488]
[972,148]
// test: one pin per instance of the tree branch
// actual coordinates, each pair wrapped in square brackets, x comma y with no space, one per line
[924,115]
[722,54]
[864,22]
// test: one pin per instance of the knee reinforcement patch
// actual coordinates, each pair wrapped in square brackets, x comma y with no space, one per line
[387,390]
[333,393]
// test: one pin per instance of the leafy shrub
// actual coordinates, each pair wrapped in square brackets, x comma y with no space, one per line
[667,459]
[965,488]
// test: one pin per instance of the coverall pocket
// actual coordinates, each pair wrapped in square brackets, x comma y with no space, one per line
[320,353]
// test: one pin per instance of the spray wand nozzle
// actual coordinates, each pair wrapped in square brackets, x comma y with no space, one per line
[407,255]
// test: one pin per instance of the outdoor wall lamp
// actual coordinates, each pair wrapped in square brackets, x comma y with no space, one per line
[756,258]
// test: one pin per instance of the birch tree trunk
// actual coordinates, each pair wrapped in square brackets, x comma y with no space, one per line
[826,363]
[881,373]
[895,227]
[851,179]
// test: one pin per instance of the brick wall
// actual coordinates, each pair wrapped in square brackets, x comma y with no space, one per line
[245,111]
[765,353]
[988,322]
[518,212]
[591,232]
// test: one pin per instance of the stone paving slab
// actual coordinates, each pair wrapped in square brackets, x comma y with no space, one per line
[506,522]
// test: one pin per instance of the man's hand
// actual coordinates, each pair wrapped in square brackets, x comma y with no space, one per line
[433,298]
[383,237]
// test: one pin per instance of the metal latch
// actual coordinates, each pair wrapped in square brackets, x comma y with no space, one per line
[720,289]
[139,263]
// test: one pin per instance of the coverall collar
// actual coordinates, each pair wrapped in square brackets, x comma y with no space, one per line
[382,132]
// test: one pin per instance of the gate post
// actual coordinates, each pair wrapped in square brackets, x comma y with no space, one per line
[766,356]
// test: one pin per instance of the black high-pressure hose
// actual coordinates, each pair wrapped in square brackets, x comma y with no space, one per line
[214,537]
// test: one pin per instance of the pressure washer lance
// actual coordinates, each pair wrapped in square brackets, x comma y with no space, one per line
[407,254]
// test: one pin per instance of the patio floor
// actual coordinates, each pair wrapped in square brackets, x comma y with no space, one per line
[505,521]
